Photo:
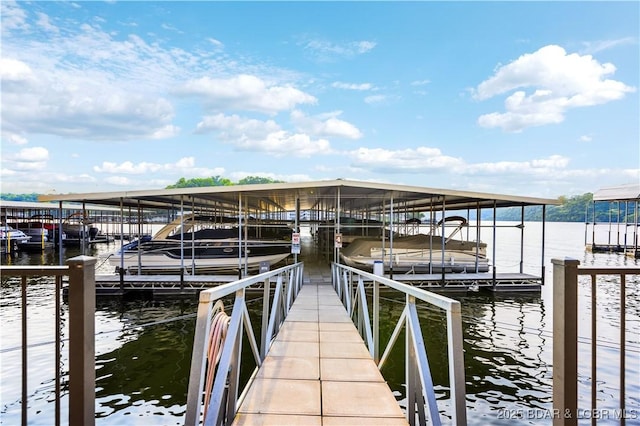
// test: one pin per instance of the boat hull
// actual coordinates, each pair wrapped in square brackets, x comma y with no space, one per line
[454,263]
[418,254]
[202,255]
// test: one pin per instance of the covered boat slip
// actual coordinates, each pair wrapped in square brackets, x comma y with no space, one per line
[331,214]
[618,232]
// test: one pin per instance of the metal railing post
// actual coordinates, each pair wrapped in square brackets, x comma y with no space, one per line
[376,322]
[198,361]
[265,318]
[456,365]
[82,309]
[565,341]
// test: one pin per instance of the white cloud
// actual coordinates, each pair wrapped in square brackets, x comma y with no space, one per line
[632,174]
[585,138]
[324,50]
[13,17]
[216,43]
[153,174]
[418,160]
[559,82]
[14,138]
[428,160]
[13,70]
[237,176]
[83,105]
[543,167]
[352,86]
[375,99]
[245,92]
[165,132]
[45,23]
[128,167]
[170,27]
[365,46]
[264,136]
[118,181]
[26,160]
[326,125]
[420,82]
[232,126]
[592,47]
[284,143]
[35,154]
[86,84]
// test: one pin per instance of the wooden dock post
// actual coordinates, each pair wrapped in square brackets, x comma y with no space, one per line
[565,341]
[82,308]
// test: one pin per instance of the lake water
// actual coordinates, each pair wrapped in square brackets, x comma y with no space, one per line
[143,348]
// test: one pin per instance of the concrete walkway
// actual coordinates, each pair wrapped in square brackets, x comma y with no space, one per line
[319,371]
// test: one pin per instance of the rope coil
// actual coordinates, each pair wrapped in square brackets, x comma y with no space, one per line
[217,335]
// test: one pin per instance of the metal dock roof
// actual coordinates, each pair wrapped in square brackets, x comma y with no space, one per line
[354,195]
[618,193]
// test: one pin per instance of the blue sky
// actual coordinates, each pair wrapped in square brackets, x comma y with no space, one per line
[522,98]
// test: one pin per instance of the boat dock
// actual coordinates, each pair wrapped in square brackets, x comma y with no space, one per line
[158,285]
[333,214]
[319,371]
[611,224]
[190,285]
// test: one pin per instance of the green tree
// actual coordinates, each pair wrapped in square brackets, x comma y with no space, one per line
[250,180]
[198,182]
[19,197]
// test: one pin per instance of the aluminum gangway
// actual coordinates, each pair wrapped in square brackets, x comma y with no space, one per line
[314,365]
[318,371]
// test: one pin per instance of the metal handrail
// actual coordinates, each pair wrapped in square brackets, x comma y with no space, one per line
[420,391]
[565,338]
[225,398]
[81,382]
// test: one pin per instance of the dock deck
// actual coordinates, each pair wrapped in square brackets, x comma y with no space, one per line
[319,371]
[172,285]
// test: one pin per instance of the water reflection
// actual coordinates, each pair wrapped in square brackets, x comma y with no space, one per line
[505,355]
[147,375]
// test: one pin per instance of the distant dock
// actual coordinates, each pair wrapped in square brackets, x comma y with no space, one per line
[633,252]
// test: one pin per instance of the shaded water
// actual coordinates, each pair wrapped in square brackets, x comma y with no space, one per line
[143,348]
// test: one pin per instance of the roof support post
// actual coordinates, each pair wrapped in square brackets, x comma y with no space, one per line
[494,245]
[635,229]
[297,224]
[181,242]
[478,219]
[193,237]
[444,240]
[240,235]
[544,226]
[391,221]
[121,271]
[431,221]
[522,238]
[336,250]
[60,254]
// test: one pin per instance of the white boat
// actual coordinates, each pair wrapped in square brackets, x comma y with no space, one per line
[10,238]
[204,249]
[421,253]
[38,241]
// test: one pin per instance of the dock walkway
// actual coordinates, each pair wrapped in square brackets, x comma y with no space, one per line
[319,371]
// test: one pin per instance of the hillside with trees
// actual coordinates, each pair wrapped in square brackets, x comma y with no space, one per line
[578,208]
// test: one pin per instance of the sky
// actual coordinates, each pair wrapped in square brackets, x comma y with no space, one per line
[520,98]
